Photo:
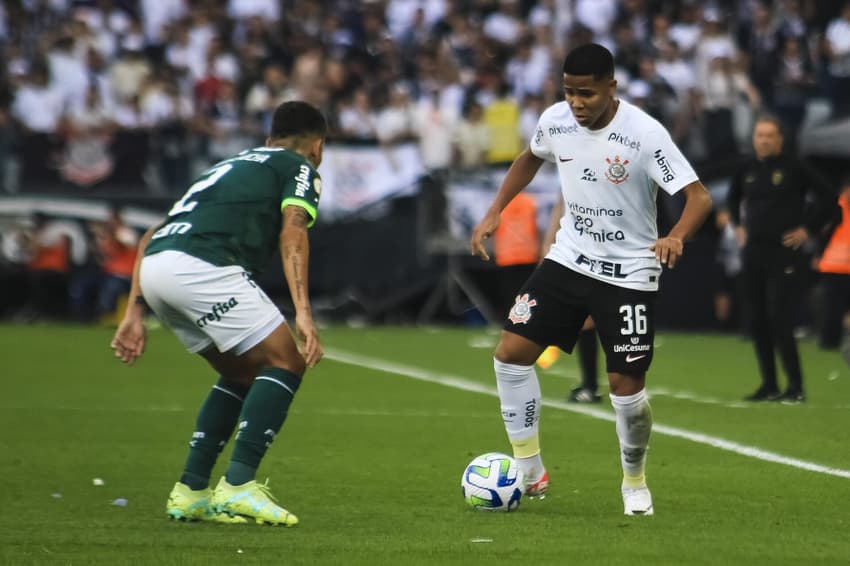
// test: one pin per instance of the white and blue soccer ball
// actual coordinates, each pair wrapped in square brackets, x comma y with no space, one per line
[492,482]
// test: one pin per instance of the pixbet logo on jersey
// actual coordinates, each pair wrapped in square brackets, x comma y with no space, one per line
[562,130]
[624,140]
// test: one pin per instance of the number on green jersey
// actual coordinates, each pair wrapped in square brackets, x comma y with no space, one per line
[212,176]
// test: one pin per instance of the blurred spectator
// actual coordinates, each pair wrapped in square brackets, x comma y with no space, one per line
[68,72]
[357,118]
[686,29]
[116,251]
[240,10]
[722,88]
[131,141]
[38,108]
[528,68]
[837,48]
[794,82]
[266,94]
[6,136]
[49,251]
[227,129]
[172,114]
[14,257]
[760,45]
[834,266]
[628,49]
[87,160]
[471,139]
[516,246]
[395,122]
[130,70]
[502,119]
[597,16]
[157,16]
[662,100]
[680,76]
[436,126]
[505,24]
[728,308]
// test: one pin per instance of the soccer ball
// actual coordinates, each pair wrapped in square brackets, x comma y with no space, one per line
[493,482]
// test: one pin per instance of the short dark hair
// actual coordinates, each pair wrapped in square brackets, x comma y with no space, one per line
[296,119]
[771,119]
[590,59]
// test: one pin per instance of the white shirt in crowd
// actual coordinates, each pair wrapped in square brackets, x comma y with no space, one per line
[39,108]
[838,37]
[268,10]
[609,181]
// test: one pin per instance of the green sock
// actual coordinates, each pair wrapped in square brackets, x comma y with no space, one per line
[213,427]
[263,413]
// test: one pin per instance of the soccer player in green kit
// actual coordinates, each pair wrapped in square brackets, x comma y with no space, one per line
[195,271]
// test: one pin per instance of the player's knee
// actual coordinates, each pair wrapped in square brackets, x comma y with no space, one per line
[294,363]
[625,384]
[509,352]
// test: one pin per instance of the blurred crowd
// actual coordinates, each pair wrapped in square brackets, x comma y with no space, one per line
[145,92]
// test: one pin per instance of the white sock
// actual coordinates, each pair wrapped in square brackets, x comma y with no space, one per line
[519,393]
[634,424]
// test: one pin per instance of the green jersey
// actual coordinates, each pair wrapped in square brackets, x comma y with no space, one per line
[232,214]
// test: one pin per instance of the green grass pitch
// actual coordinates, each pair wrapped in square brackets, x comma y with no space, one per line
[370,459]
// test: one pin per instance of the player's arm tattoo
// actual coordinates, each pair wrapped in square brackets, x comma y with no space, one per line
[295,252]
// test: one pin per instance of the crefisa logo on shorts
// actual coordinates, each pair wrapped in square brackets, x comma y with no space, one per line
[521,311]
[218,310]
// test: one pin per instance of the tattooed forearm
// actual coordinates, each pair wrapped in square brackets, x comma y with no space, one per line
[297,289]
[295,252]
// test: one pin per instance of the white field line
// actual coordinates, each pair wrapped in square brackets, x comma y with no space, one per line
[473,386]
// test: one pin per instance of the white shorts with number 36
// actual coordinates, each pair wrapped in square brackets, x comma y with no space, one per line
[205,304]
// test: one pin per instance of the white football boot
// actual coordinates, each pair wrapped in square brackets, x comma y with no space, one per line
[636,500]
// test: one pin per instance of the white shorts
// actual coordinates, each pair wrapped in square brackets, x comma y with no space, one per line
[205,304]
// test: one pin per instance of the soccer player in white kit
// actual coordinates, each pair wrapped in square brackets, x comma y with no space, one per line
[606,260]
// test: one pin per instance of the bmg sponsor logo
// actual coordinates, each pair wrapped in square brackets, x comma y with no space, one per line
[664,165]
[216,312]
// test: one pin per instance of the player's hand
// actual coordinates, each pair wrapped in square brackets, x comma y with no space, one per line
[130,338]
[484,229]
[311,347]
[795,238]
[668,250]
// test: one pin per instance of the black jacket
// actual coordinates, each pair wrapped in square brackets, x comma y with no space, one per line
[769,197]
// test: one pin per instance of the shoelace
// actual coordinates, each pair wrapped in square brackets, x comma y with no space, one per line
[266,490]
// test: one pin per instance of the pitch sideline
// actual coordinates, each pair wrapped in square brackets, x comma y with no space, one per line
[469,385]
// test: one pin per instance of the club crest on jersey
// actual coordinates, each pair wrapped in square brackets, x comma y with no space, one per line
[617,172]
[521,311]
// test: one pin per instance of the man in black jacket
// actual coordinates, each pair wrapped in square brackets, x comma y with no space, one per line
[776,202]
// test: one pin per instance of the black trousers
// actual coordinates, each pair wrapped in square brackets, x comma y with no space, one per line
[836,301]
[773,284]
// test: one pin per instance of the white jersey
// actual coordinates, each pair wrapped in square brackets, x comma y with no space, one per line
[609,180]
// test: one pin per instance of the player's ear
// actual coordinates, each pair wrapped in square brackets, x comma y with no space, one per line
[268,141]
[317,148]
[612,87]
